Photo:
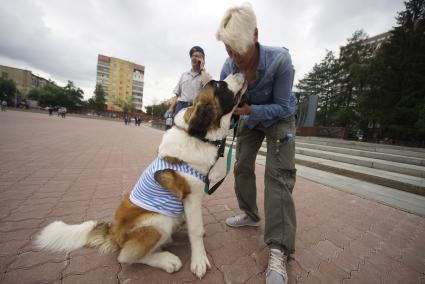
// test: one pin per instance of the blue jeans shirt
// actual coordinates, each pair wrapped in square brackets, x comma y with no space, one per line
[271,95]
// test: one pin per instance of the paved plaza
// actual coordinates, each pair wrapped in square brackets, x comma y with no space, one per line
[77,169]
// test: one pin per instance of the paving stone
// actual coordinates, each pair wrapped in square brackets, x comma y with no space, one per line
[46,272]
[308,260]
[295,271]
[19,225]
[360,249]
[327,250]
[347,260]
[413,259]
[35,258]
[104,275]
[330,273]
[366,274]
[11,247]
[338,239]
[214,228]
[240,271]
[17,235]
[5,261]
[313,236]
[233,251]
[310,279]
[261,257]
[87,259]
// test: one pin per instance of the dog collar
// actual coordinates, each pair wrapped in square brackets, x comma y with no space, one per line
[216,143]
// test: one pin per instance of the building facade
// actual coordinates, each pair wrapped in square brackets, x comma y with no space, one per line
[25,80]
[377,40]
[121,80]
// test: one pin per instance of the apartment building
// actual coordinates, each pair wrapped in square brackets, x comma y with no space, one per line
[121,80]
[25,80]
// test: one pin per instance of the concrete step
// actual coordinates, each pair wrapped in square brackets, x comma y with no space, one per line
[398,181]
[363,153]
[402,168]
[407,201]
[369,159]
[401,176]
[372,147]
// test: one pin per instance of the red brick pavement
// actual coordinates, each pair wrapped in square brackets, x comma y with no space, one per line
[77,169]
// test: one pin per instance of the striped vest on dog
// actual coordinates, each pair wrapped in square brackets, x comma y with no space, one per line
[150,195]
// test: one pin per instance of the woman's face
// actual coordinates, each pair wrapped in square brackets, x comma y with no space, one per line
[241,60]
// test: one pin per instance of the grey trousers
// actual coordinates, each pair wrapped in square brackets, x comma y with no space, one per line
[279,180]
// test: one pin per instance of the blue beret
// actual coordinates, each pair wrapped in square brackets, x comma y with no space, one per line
[196,49]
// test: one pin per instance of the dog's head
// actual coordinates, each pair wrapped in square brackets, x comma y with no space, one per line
[214,106]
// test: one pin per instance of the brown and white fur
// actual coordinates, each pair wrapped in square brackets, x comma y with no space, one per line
[138,233]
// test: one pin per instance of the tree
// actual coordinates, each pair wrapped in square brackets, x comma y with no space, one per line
[354,63]
[7,90]
[378,89]
[157,109]
[98,101]
[72,96]
[321,81]
[125,104]
[53,95]
[399,77]
[47,95]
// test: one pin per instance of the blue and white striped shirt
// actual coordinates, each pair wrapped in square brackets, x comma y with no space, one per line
[150,195]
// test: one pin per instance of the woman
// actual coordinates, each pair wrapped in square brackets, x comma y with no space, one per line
[269,112]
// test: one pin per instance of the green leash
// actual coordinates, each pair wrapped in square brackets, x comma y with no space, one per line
[229,164]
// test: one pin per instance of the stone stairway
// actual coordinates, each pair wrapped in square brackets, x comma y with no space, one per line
[401,168]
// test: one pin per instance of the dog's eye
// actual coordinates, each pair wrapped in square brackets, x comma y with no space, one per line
[217,85]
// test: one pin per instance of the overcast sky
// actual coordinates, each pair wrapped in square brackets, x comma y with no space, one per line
[61,39]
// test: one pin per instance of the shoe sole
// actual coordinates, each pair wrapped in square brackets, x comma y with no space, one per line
[244,225]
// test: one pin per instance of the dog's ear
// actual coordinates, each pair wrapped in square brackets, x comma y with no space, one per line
[227,101]
[200,120]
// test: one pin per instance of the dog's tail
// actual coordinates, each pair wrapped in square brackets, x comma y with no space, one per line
[58,236]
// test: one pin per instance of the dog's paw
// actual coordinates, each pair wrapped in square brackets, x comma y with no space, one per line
[199,264]
[171,263]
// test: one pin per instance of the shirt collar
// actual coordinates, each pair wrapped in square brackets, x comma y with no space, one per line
[192,73]
[261,61]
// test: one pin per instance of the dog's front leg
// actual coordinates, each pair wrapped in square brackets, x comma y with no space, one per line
[195,227]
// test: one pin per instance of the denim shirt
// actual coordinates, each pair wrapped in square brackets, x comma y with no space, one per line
[271,95]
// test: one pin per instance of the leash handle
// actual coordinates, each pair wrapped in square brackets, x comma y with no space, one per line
[229,163]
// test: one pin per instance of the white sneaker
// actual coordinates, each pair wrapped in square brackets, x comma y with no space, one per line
[241,220]
[276,270]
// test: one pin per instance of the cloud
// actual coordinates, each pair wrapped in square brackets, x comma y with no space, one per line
[62,38]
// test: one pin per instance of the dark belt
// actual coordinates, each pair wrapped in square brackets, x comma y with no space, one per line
[184,103]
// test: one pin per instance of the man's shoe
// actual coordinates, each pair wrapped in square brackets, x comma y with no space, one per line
[276,270]
[241,220]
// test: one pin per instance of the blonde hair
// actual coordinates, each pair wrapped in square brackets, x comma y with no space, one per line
[237,28]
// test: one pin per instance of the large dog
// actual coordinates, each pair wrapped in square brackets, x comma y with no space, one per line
[164,196]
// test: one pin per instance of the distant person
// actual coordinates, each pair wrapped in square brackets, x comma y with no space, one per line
[191,81]
[62,112]
[50,110]
[3,105]
[168,116]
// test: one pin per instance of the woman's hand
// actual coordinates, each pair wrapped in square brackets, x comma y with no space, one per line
[243,110]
